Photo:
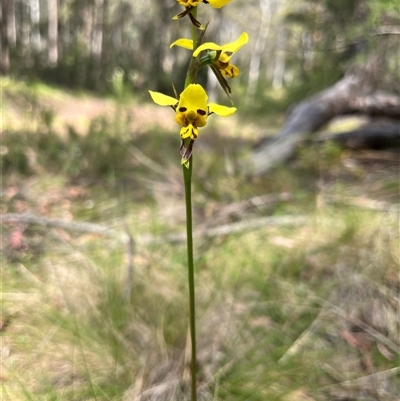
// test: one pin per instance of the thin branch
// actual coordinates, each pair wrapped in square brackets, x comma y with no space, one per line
[148,239]
[65,225]
[387,30]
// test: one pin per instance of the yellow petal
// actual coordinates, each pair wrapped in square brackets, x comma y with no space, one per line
[207,46]
[218,3]
[185,43]
[194,97]
[180,118]
[231,71]
[222,111]
[231,48]
[189,131]
[162,100]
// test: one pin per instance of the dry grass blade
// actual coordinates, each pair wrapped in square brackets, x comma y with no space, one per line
[354,320]
[376,384]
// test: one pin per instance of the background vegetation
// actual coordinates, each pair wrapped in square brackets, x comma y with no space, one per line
[302,46]
[297,271]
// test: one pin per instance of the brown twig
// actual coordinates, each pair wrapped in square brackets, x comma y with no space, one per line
[148,239]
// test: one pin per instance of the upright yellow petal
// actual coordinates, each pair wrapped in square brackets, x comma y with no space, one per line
[185,43]
[162,100]
[222,111]
[218,3]
[194,97]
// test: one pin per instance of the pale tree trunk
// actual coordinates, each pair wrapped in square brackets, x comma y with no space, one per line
[4,51]
[260,42]
[279,69]
[308,46]
[52,33]
[24,29]
[11,26]
[97,42]
[35,19]
[63,29]
[83,40]
[66,32]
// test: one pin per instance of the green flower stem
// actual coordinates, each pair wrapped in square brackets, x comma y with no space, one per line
[187,177]
[192,70]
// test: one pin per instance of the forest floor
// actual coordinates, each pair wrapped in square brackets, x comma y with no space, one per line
[297,272]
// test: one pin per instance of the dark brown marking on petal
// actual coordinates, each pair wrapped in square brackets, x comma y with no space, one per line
[184,133]
[182,109]
[228,73]
[201,112]
[221,65]
[229,54]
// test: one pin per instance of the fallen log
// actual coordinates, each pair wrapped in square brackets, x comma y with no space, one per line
[376,135]
[311,114]
[376,104]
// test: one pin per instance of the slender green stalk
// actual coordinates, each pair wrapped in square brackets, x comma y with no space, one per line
[190,76]
[187,177]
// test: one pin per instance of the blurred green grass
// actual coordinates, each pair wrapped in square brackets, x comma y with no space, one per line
[266,298]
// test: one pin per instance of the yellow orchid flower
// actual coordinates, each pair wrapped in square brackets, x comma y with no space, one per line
[191,4]
[192,109]
[226,52]
[192,112]
[212,3]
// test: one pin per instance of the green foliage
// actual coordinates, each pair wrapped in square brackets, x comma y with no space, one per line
[325,38]
[312,157]
[101,153]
